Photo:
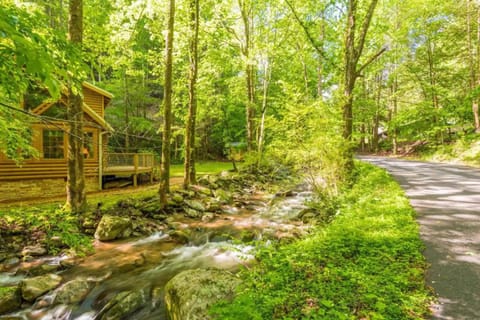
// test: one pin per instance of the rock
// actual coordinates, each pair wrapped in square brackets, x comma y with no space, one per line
[160,217]
[151,207]
[12,317]
[57,242]
[124,304]
[32,288]
[196,205]
[113,227]
[192,213]
[73,291]
[179,236]
[202,190]
[89,223]
[214,206]
[223,196]
[38,269]
[33,251]
[208,216]
[10,299]
[189,294]
[177,197]
[69,262]
[225,174]
[284,194]
[11,262]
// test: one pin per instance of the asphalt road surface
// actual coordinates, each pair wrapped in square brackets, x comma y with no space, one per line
[447,200]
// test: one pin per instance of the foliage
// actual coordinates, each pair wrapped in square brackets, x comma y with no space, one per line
[464,149]
[367,264]
[49,220]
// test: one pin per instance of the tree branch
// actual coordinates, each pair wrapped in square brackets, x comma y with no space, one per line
[371,59]
[364,30]
[310,38]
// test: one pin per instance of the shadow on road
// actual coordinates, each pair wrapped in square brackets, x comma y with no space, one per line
[447,199]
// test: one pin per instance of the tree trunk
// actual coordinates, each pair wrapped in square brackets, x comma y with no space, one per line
[76,197]
[352,53]
[167,112]
[126,107]
[473,57]
[376,119]
[189,165]
[246,12]
[394,114]
[267,71]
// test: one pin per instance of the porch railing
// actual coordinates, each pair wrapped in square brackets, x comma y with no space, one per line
[132,160]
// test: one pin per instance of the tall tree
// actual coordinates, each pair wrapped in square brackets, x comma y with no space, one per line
[474,55]
[353,49]
[76,197]
[246,10]
[167,107]
[189,165]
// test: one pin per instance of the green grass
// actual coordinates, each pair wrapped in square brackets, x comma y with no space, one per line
[367,264]
[204,167]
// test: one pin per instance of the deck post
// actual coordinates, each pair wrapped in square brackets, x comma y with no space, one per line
[135,168]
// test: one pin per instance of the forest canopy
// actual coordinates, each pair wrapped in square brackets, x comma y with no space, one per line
[272,75]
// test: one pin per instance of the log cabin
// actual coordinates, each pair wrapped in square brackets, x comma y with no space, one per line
[46,175]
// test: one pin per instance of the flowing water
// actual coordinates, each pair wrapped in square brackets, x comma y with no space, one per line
[149,263]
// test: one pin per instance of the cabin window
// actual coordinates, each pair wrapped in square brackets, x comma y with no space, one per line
[53,144]
[88,149]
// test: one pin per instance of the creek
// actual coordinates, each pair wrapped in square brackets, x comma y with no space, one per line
[147,264]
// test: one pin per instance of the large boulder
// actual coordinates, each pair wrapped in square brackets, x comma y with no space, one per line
[124,304]
[190,294]
[223,196]
[32,251]
[113,227]
[33,288]
[73,291]
[196,205]
[10,299]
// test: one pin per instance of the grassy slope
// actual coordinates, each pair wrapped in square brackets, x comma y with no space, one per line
[367,264]
[464,150]
[202,168]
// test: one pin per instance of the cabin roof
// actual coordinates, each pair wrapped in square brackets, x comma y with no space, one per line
[95,116]
[97,90]
[86,108]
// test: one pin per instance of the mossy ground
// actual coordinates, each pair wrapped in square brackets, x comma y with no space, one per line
[366,264]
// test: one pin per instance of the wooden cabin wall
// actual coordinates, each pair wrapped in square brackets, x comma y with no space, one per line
[39,188]
[94,101]
[44,177]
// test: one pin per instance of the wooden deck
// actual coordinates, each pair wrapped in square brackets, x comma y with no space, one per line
[128,164]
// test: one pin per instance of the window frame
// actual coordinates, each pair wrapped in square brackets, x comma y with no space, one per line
[63,145]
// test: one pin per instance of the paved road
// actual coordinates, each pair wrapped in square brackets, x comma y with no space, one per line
[447,199]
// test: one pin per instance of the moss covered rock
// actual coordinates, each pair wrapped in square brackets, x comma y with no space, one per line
[33,288]
[124,304]
[190,294]
[113,227]
[10,299]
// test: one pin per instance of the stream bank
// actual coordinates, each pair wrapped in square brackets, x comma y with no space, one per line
[213,225]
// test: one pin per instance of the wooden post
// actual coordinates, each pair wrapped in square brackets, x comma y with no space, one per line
[135,165]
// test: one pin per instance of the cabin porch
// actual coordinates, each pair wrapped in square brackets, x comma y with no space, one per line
[128,164]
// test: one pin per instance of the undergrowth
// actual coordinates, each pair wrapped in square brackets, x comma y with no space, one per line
[366,264]
[44,223]
[465,149]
